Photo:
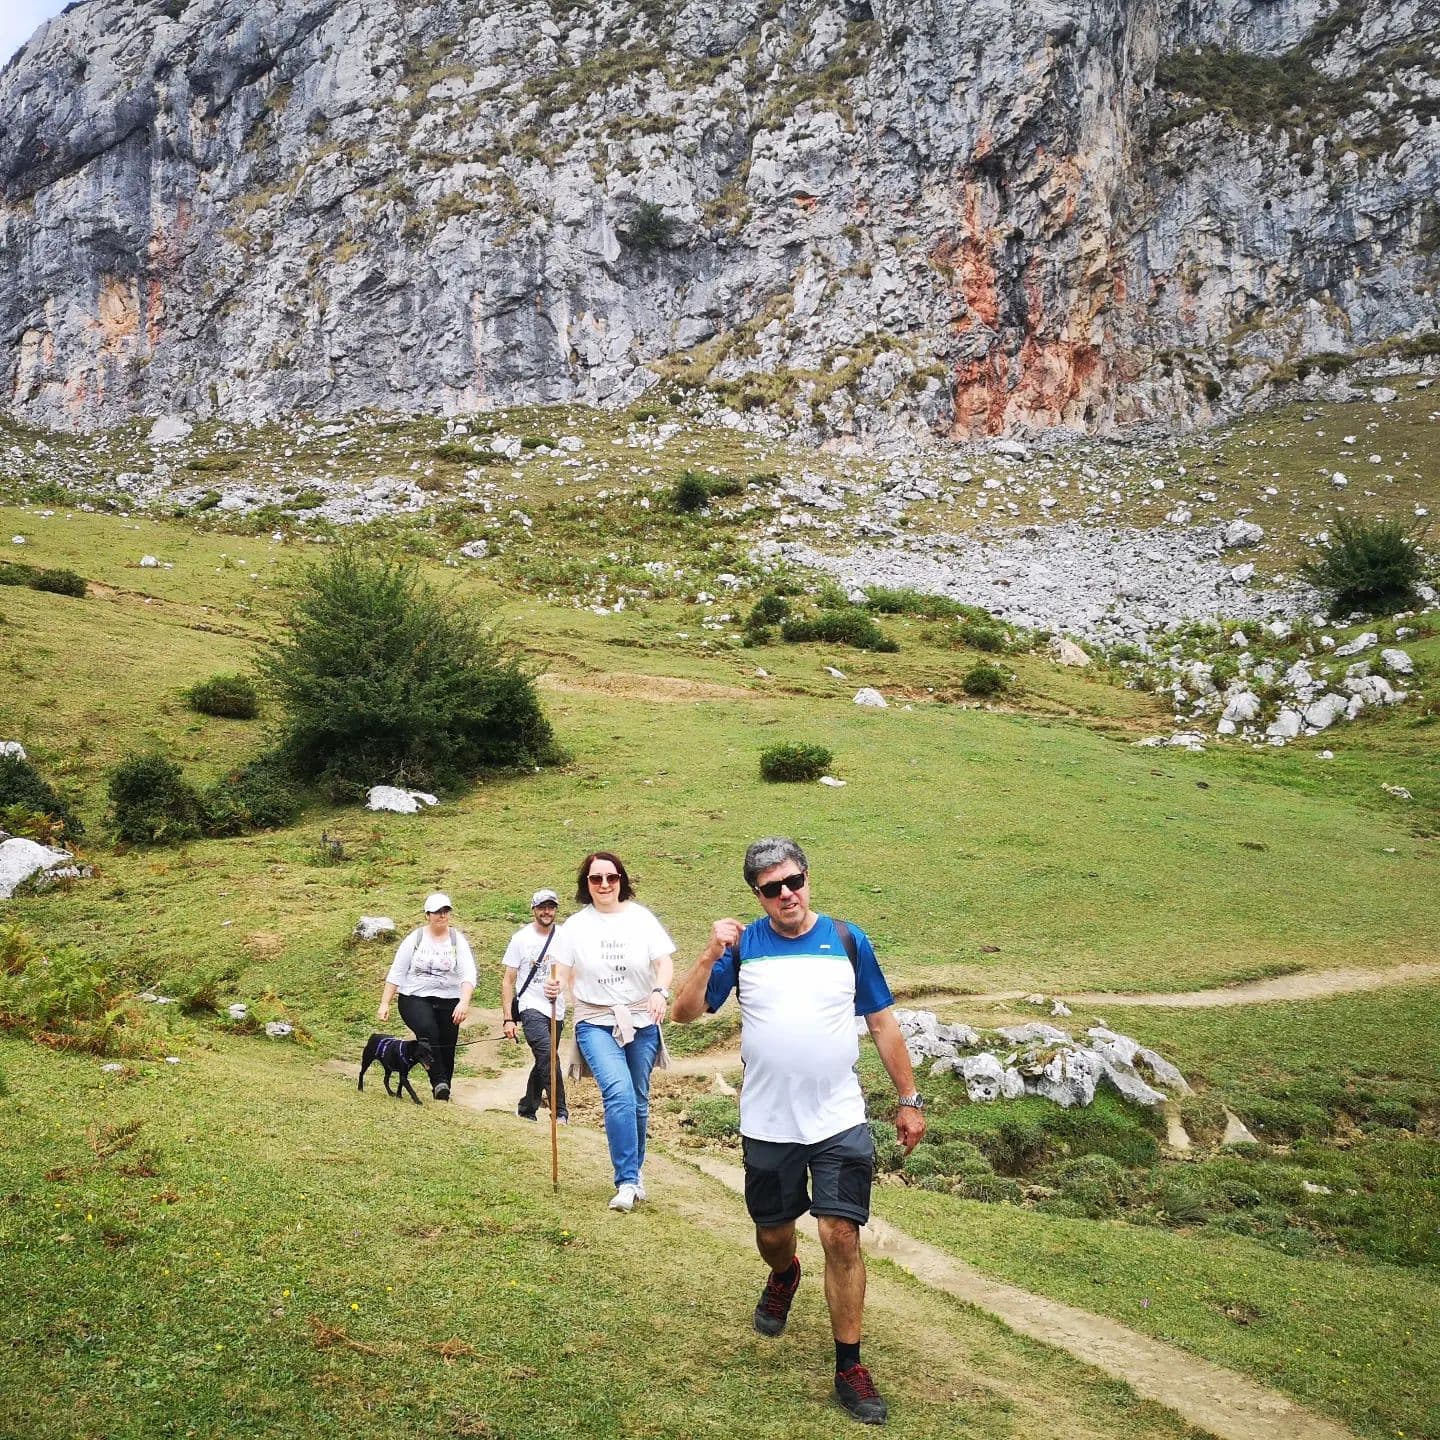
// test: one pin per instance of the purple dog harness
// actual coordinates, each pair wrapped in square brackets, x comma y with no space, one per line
[390,1052]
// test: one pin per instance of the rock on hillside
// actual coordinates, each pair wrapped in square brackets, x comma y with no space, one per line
[874,216]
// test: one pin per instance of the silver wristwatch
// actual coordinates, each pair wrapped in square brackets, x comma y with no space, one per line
[912,1102]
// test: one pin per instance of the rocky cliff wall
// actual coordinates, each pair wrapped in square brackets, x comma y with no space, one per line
[920,216]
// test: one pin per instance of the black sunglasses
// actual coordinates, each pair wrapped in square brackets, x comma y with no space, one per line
[794,883]
[611,879]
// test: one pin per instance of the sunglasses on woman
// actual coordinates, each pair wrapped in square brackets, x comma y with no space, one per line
[611,879]
[772,888]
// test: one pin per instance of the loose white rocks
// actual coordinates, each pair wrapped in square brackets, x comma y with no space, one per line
[1397,662]
[169,428]
[374,927]
[400,802]
[278,1029]
[12,747]
[872,698]
[238,1011]
[1358,645]
[1241,533]
[831,781]
[149,562]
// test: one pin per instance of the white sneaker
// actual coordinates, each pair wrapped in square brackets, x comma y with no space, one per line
[624,1198]
[640,1187]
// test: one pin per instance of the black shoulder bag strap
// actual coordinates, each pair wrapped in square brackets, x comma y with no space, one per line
[847,939]
[534,970]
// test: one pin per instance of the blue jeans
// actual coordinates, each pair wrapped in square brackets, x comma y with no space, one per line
[623,1074]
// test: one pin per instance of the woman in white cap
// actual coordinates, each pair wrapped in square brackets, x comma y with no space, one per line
[434,975]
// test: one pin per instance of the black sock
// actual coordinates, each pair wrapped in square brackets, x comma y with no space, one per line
[789,1277]
[846,1355]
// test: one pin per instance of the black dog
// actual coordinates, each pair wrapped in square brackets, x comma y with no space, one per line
[395,1055]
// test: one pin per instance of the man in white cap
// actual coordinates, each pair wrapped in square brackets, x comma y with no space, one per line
[522,994]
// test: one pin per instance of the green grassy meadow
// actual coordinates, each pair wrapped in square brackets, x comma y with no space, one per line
[238,1244]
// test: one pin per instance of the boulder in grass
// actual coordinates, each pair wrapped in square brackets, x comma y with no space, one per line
[871,697]
[1067,652]
[396,800]
[24,861]
[169,428]
[374,927]
[13,747]
[1397,662]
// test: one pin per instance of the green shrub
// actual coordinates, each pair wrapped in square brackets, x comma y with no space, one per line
[537,442]
[793,763]
[1015,1146]
[1368,565]
[23,788]
[151,802]
[61,582]
[716,1117]
[984,635]
[54,582]
[887,601]
[381,680]
[457,454]
[69,1001]
[259,795]
[839,627]
[691,494]
[306,500]
[649,228]
[983,679]
[1095,1183]
[208,501]
[231,696]
[17,572]
[1181,1201]
[769,609]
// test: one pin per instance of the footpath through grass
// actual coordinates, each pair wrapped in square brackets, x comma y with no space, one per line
[236,1246]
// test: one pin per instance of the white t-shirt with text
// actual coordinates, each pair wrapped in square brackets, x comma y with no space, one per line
[426,966]
[614,955]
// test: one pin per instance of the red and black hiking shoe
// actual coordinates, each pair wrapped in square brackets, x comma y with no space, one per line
[856,1391]
[774,1308]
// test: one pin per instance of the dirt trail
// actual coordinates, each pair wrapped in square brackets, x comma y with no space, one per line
[1308,985]
[1212,1399]
[1216,1401]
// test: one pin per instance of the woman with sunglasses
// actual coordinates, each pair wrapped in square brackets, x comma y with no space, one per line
[434,974]
[616,962]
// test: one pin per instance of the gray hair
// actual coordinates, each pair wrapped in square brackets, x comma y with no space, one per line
[773,850]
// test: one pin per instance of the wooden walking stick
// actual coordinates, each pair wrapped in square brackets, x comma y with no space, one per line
[554,1103]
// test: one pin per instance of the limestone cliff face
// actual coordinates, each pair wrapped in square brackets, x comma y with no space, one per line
[946,217]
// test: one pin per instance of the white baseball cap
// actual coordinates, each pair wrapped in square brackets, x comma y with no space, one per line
[544,897]
[437,900]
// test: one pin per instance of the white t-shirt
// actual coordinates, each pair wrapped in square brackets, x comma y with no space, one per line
[520,954]
[426,966]
[614,955]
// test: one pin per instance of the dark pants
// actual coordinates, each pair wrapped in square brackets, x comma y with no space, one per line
[430,1018]
[537,1037]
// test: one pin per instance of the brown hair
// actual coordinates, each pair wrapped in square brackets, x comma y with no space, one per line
[582,883]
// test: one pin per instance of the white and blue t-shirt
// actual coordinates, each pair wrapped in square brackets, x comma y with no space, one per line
[798,1003]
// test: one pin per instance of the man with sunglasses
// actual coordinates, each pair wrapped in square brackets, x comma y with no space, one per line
[801,978]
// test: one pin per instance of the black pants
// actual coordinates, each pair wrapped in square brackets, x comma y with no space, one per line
[430,1018]
[537,1037]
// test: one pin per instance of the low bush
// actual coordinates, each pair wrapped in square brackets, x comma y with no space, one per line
[1368,565]
[232,697]
[25,790]
[648,228]
[1096,1183]
[791,763]
[67,1000]
[983,679]
[259,795]
[984,635]
[53,582]
[769,609]
[61,582]
[852,627]
[151,802]
[691,494]
[716,1117]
